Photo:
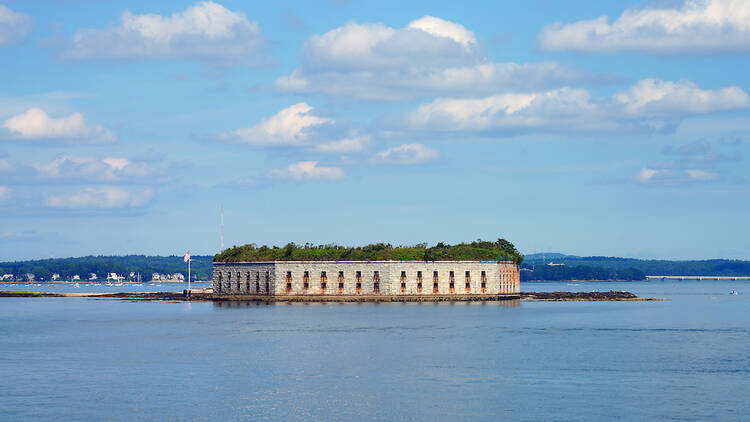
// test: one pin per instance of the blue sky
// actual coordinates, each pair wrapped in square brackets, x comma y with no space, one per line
[584,127]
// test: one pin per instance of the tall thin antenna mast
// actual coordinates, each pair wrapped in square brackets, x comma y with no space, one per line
[222,227]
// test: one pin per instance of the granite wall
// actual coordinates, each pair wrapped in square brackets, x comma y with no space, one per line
[366,278]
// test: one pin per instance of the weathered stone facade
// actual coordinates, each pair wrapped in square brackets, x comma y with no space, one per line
[366,278]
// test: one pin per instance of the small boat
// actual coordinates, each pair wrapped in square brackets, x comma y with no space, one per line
[733,292]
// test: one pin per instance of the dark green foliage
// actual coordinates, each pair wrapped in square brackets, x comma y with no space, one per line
[557,273]
[709,267]
[201,267]
[501,250]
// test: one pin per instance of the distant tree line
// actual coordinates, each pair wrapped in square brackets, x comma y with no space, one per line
[709,267]
[499,250]
[563,272]
[201,267]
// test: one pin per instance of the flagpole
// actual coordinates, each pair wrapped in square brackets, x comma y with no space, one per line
[189,274]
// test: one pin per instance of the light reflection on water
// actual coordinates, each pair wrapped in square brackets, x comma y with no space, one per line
[100,359]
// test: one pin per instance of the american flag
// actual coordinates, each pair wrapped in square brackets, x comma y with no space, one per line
[187,256]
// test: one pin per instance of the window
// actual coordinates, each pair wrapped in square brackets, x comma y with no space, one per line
[484,282]
[247,287]
[341,281]
[306,280]
[403,281]
[359,281]
[288,281]
[435,282]
[376,282]
[468,281]
[323,281]
[229,276]
[452,285]
[419,281]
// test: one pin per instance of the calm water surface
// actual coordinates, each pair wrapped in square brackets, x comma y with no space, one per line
[684,359]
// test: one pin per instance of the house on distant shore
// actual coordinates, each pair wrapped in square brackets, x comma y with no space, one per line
[114,277]
[29,277]
[8,277]
[55,277]
[76,277]
[93,276]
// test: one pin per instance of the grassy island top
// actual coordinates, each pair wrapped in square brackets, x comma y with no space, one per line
[500,250]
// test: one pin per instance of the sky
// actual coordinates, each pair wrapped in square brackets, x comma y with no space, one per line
[612,128]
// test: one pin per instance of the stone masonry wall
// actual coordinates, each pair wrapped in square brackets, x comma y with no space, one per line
[375,277]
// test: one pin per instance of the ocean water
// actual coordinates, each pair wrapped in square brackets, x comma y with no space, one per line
[683,359]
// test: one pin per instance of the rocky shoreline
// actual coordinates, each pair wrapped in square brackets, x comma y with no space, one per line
[612,295]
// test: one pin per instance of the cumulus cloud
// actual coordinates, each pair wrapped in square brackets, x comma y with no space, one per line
[649,105]
[307,170]
[35,124]
[697,26]
[101,198]
[14,27]
[355,144]
[205,31]
[109,169]
[694,162]
[407,154]
[430,56]
[290,126]
[649,176]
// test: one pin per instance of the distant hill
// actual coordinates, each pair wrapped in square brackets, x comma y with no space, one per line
[534,267]
[201,267]
[709,267]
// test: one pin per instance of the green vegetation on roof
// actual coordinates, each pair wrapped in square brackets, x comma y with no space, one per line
[500,250]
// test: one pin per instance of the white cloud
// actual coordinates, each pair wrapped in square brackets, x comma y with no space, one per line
[110,169]
[430,56]
[647,106]
[666,176]
[407,154]
[289,126]
[355,144]
[445,29]
[101,198]
[4,192]
[697,26]
[35,124]
[694,162]
[654,97]
[308,170]
[205,31]
[14,27]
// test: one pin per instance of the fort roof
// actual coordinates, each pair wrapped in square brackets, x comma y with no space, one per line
[500,250]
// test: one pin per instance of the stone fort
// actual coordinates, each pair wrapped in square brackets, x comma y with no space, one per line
[366,278]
